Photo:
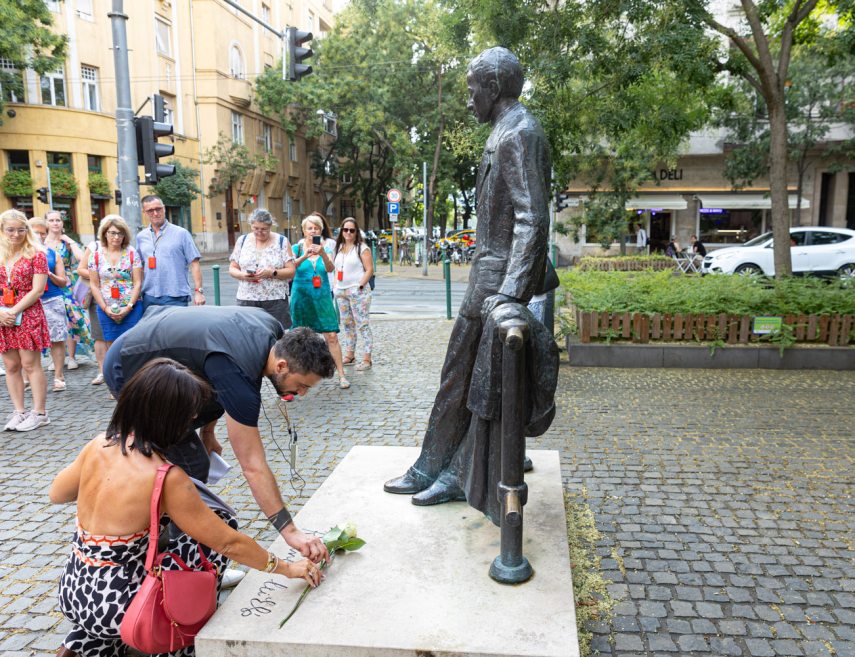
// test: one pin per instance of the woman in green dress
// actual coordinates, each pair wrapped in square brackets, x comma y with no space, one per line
[311,298]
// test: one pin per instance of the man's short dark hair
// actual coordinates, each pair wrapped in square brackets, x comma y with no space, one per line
[150,198]
[158,406]
[306,352]
[501,65]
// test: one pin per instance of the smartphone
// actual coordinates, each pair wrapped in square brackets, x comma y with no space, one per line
[251,272]
[316,239]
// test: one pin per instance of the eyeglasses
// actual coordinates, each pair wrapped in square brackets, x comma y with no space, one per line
[260,229]
[15,231]
[348,230]
[154,210]
[115,233]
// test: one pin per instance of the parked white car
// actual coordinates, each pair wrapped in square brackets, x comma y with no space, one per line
[816,250]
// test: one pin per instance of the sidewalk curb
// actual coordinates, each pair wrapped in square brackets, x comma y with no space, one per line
[692,356]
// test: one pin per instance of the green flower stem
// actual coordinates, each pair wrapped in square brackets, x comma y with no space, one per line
[303,595]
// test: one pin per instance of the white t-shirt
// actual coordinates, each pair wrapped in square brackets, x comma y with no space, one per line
[641,238]
[351,267]
[248,257]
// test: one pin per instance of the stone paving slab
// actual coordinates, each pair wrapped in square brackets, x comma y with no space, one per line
[725,497]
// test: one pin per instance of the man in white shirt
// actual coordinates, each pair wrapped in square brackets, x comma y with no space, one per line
[641,238]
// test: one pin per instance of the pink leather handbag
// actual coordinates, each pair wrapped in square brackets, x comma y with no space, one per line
[172,605]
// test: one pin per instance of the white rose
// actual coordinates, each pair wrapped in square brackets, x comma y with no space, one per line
[349,530]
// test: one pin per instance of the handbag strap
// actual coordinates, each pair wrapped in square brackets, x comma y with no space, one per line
[154,527]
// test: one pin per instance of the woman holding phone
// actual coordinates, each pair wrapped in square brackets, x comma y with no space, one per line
[263,263]
[311,297]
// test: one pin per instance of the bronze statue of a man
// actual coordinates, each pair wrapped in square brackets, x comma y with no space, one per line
[512,197]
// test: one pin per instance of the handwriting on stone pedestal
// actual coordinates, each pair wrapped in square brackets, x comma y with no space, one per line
[262,603]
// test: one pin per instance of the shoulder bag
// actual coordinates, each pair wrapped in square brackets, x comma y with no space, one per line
[172,605]
[359,257]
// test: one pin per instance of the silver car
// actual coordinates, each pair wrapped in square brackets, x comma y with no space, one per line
[819,250]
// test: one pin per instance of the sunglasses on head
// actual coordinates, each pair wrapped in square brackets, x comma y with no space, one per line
[348,230]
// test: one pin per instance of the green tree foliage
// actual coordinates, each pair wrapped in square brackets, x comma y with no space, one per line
[820,87]
[760,55]
[181,189]
[393,73]
[27,42]
[618,86]
[232,162]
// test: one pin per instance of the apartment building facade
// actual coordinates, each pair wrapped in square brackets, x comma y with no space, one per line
[203,57]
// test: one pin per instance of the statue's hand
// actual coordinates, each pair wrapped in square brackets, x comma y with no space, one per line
[493,302]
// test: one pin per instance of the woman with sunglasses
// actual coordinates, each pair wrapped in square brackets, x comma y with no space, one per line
[23,326]
[115,276]
[353,271]
[312,304]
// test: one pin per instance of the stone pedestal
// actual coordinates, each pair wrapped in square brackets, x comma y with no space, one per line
[420,587]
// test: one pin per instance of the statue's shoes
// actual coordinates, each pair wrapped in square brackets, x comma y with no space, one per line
[439,493]
[407,484]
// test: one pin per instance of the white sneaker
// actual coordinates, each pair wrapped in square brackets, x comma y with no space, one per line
[51,367]
[13,420]
[33,421]
[2,371]
[232,577]
[72,364]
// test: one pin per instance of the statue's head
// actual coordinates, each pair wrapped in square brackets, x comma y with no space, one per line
[494,74]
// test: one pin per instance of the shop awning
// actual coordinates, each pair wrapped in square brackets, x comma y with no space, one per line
[744,201]
[657,202]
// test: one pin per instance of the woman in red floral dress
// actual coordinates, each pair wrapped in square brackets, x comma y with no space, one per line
[23,327]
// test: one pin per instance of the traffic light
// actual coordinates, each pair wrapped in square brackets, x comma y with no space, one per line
[42,193]
[149,151]
[562,201]
[159,106]
[296,53]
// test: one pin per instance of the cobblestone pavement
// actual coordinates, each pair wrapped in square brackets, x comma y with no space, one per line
[724,497]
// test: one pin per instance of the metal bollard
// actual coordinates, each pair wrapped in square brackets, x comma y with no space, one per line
[511,567]
[446,272]
[216,269]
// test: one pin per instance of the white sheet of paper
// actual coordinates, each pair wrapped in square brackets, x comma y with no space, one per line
[219,468]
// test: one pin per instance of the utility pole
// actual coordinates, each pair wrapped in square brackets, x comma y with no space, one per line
[428,229]
[127,141]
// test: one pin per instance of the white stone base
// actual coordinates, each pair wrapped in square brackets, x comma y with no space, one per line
[420,586]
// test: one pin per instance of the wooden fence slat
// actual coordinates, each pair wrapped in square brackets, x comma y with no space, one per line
[811,329]
[824,321]
[604,324]
[678,326]
[656,328]
[712,327]
[732,329]
[700,327]
[744,329]
[722,326]
[645,329]
[801,327]
[584,324]
[666,327]
[636,327]
[848,322]
[627,325]
[833,329]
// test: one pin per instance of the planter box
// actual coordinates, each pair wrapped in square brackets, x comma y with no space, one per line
[623,355]
[833,330]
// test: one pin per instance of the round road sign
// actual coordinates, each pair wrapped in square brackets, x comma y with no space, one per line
[393,195]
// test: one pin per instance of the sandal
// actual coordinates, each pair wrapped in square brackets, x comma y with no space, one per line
[98,380]
[349,361]
[58,385]
[343,383]
[364,365]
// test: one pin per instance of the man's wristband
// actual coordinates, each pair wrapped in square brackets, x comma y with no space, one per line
[281,519]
